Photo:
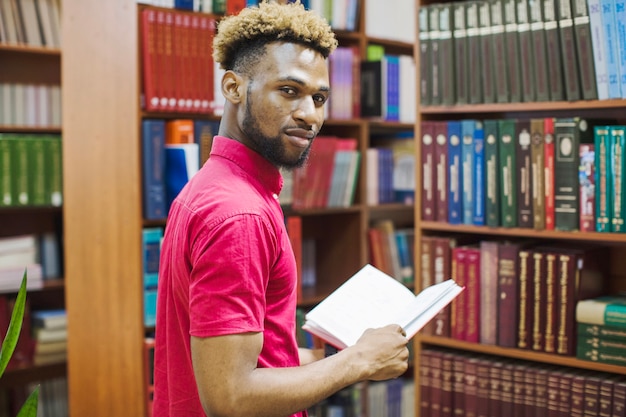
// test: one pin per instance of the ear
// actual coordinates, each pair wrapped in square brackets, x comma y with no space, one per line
[232,87]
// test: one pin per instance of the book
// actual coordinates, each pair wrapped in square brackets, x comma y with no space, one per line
[604,178]
[181,164]
[426,79]
[475,57]
[507,172]
[434,58]
[492,179]
[598,44]
[618,173]
[553,51]
[153,164]
[570,69]
[499,51]
[512,50]
[371,298]
[538,35]
[446,55]
[548,157]
[527,55]
[455,182]
[586,178]
[461,56]
[486,39]
[50,319]
[608,310]
[428,170]
[441,171]
[609,24]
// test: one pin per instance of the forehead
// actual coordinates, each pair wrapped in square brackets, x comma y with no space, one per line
[288,60]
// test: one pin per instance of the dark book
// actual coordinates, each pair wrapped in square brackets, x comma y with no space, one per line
[584,50]
[468,165]
[458,384]
[595,342]
[512,50]
[478,175]
[203,133]
[492,178]
[486,56]
[458,272]
[447,381]
[472,291]
[577,397]
[495,388]
[540,57]
[426,79]
[604,332]
[459,33]
[537,163]
[605,395]
[524,176]
[507,172]
[569,133]
[530,392]
[507,389]
[526,299]
[153,169]
[436,358]
[548,155]
[553,50]
[527,57]
[552,393]
[519,389]
[427,144]
[441,171]
[508,293]
[565,392]
[434,71]
[541,390]
[619,398]
[475,56]
[427,245]
[499,51]
[446,55]
[604,178]
[442,260]
[550,278]
[371,89]
[483,385]
[488,292]
[424,381]
[569,53]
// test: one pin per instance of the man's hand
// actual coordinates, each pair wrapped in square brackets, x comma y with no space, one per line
[385,350]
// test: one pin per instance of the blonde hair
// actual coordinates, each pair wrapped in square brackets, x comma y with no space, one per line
[245,35]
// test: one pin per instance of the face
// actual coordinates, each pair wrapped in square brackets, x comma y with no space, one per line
[284,106]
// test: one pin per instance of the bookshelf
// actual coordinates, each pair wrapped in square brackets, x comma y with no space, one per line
[103,208]
[23,64]
[614,243]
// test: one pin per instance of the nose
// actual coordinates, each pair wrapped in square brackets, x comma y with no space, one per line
[307,112]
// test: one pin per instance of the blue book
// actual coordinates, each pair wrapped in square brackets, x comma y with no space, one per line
[620,21]
[467,164]
[393,87]
[385,176]
[181,164]
[153,166]
[612,54]
[455,199]
[151,248]
[183,4]
[149,306]
[203,133]
[478,211]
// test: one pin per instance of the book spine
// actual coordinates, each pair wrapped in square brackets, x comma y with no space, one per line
[435,55]
[508,174]
[599,53]
[478,173]
[604,175]
[567,267]
[553,51]
[539,301]
[455,198]
[446,56]
[527,58]
[586,178]
[620,21]
[507,294]
[473,292]
[548,150]
[486,39]
[610,47]
[458,318]
[551,306]
[460,52]
[596,330]
[492,179]
[427,272]
[470,370]
[442,270]
[525,302]
[425,54]
[483,383]
[153,144]
[441,171]
[467,166]
[524,175]
[436,382]
[428,170]
[499,51]
[618,142]
[512,51]
[537,163]
[568,50]
[474,52]
[567,161]
[538,36]
[586,66]
[488,292]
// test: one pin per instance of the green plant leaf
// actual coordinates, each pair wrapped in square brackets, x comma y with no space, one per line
[15,326]
[29,409]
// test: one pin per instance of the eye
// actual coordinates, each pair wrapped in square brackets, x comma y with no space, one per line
[290,91]
[320,98]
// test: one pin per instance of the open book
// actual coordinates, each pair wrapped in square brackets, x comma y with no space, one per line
[371,299]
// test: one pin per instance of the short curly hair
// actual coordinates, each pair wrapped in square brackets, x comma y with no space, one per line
[241,38]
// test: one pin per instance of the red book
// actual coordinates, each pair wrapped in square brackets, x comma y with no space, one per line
[206,68]
[470,372]
[428,170]
[149,59]
[446,384]
[619,399]
[519,390]
[425,382]
[472,290]
[427,272]
[294,230]
[458,384]
[548,131]
[168,63]
[178,75]
[458,323]
[441,171]
[482,387]
[495,390]
[539,301]
[508,296]
[442,254]
[196,63]
[551,283]
[507,388]
[233,7]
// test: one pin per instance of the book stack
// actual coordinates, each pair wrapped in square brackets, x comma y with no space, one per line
[31,22]
[601,325]
[19,255]
[522,51]
[391,171]
[50,335]
[31,170]
[391,250]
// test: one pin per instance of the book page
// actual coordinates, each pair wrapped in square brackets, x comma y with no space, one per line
[369,299]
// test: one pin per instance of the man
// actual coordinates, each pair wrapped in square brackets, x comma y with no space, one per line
[225,337]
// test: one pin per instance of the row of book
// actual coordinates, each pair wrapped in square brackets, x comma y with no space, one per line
[172,152]
[31,22]
[601,325]
[391,249]
[390,171]
[31,105]
[52,400]
[37,255]
[519,293]
[340,14]
[178,71]
[459,383]
[151,252]
[522,51]
[30,170]
[531,173]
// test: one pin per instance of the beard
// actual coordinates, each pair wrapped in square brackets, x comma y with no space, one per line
[271,147]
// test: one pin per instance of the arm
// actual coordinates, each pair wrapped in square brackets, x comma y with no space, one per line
[310,355]
[230,384]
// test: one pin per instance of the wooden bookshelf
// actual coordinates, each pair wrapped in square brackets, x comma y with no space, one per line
[615,243]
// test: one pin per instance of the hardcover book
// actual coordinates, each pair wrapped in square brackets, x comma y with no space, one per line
[527,55]
[548,151]
[598,47]
[475,57]
[153,154]
[524,175]
[587,184]
[441,171]
[584,49]
[426,78]
[537,162]
[618,171]
[455,197]
[499,48]
[435,55]
[492,177]
[553,50]
[371,298]
[604,178]
[540,57]
[459,34]
[507,169]
[446,56]
[429,199]
[513,68]
[569,53]
[486,55]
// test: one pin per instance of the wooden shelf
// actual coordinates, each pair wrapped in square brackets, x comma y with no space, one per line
[556,106]
[29,129]
[29,50]
[28,374]
[520,354]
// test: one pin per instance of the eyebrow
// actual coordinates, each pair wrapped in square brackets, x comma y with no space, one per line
[325,89]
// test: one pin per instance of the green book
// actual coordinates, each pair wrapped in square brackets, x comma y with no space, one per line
[54,169]
[36,170]
[608,355]
[602,332]
[604,178]
[618,174]
[6,196]
[609,310]
[492,179]
[507,172]
[19,172]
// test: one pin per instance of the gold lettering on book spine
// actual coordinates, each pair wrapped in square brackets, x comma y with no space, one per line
[563,284]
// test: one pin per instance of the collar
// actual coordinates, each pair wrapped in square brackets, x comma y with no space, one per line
[251,162]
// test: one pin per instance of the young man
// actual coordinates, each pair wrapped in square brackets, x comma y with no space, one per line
[225,337]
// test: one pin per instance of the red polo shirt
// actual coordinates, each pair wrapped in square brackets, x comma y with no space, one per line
[226,267]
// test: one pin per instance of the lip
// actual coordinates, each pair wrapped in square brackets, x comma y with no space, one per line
[301,133]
